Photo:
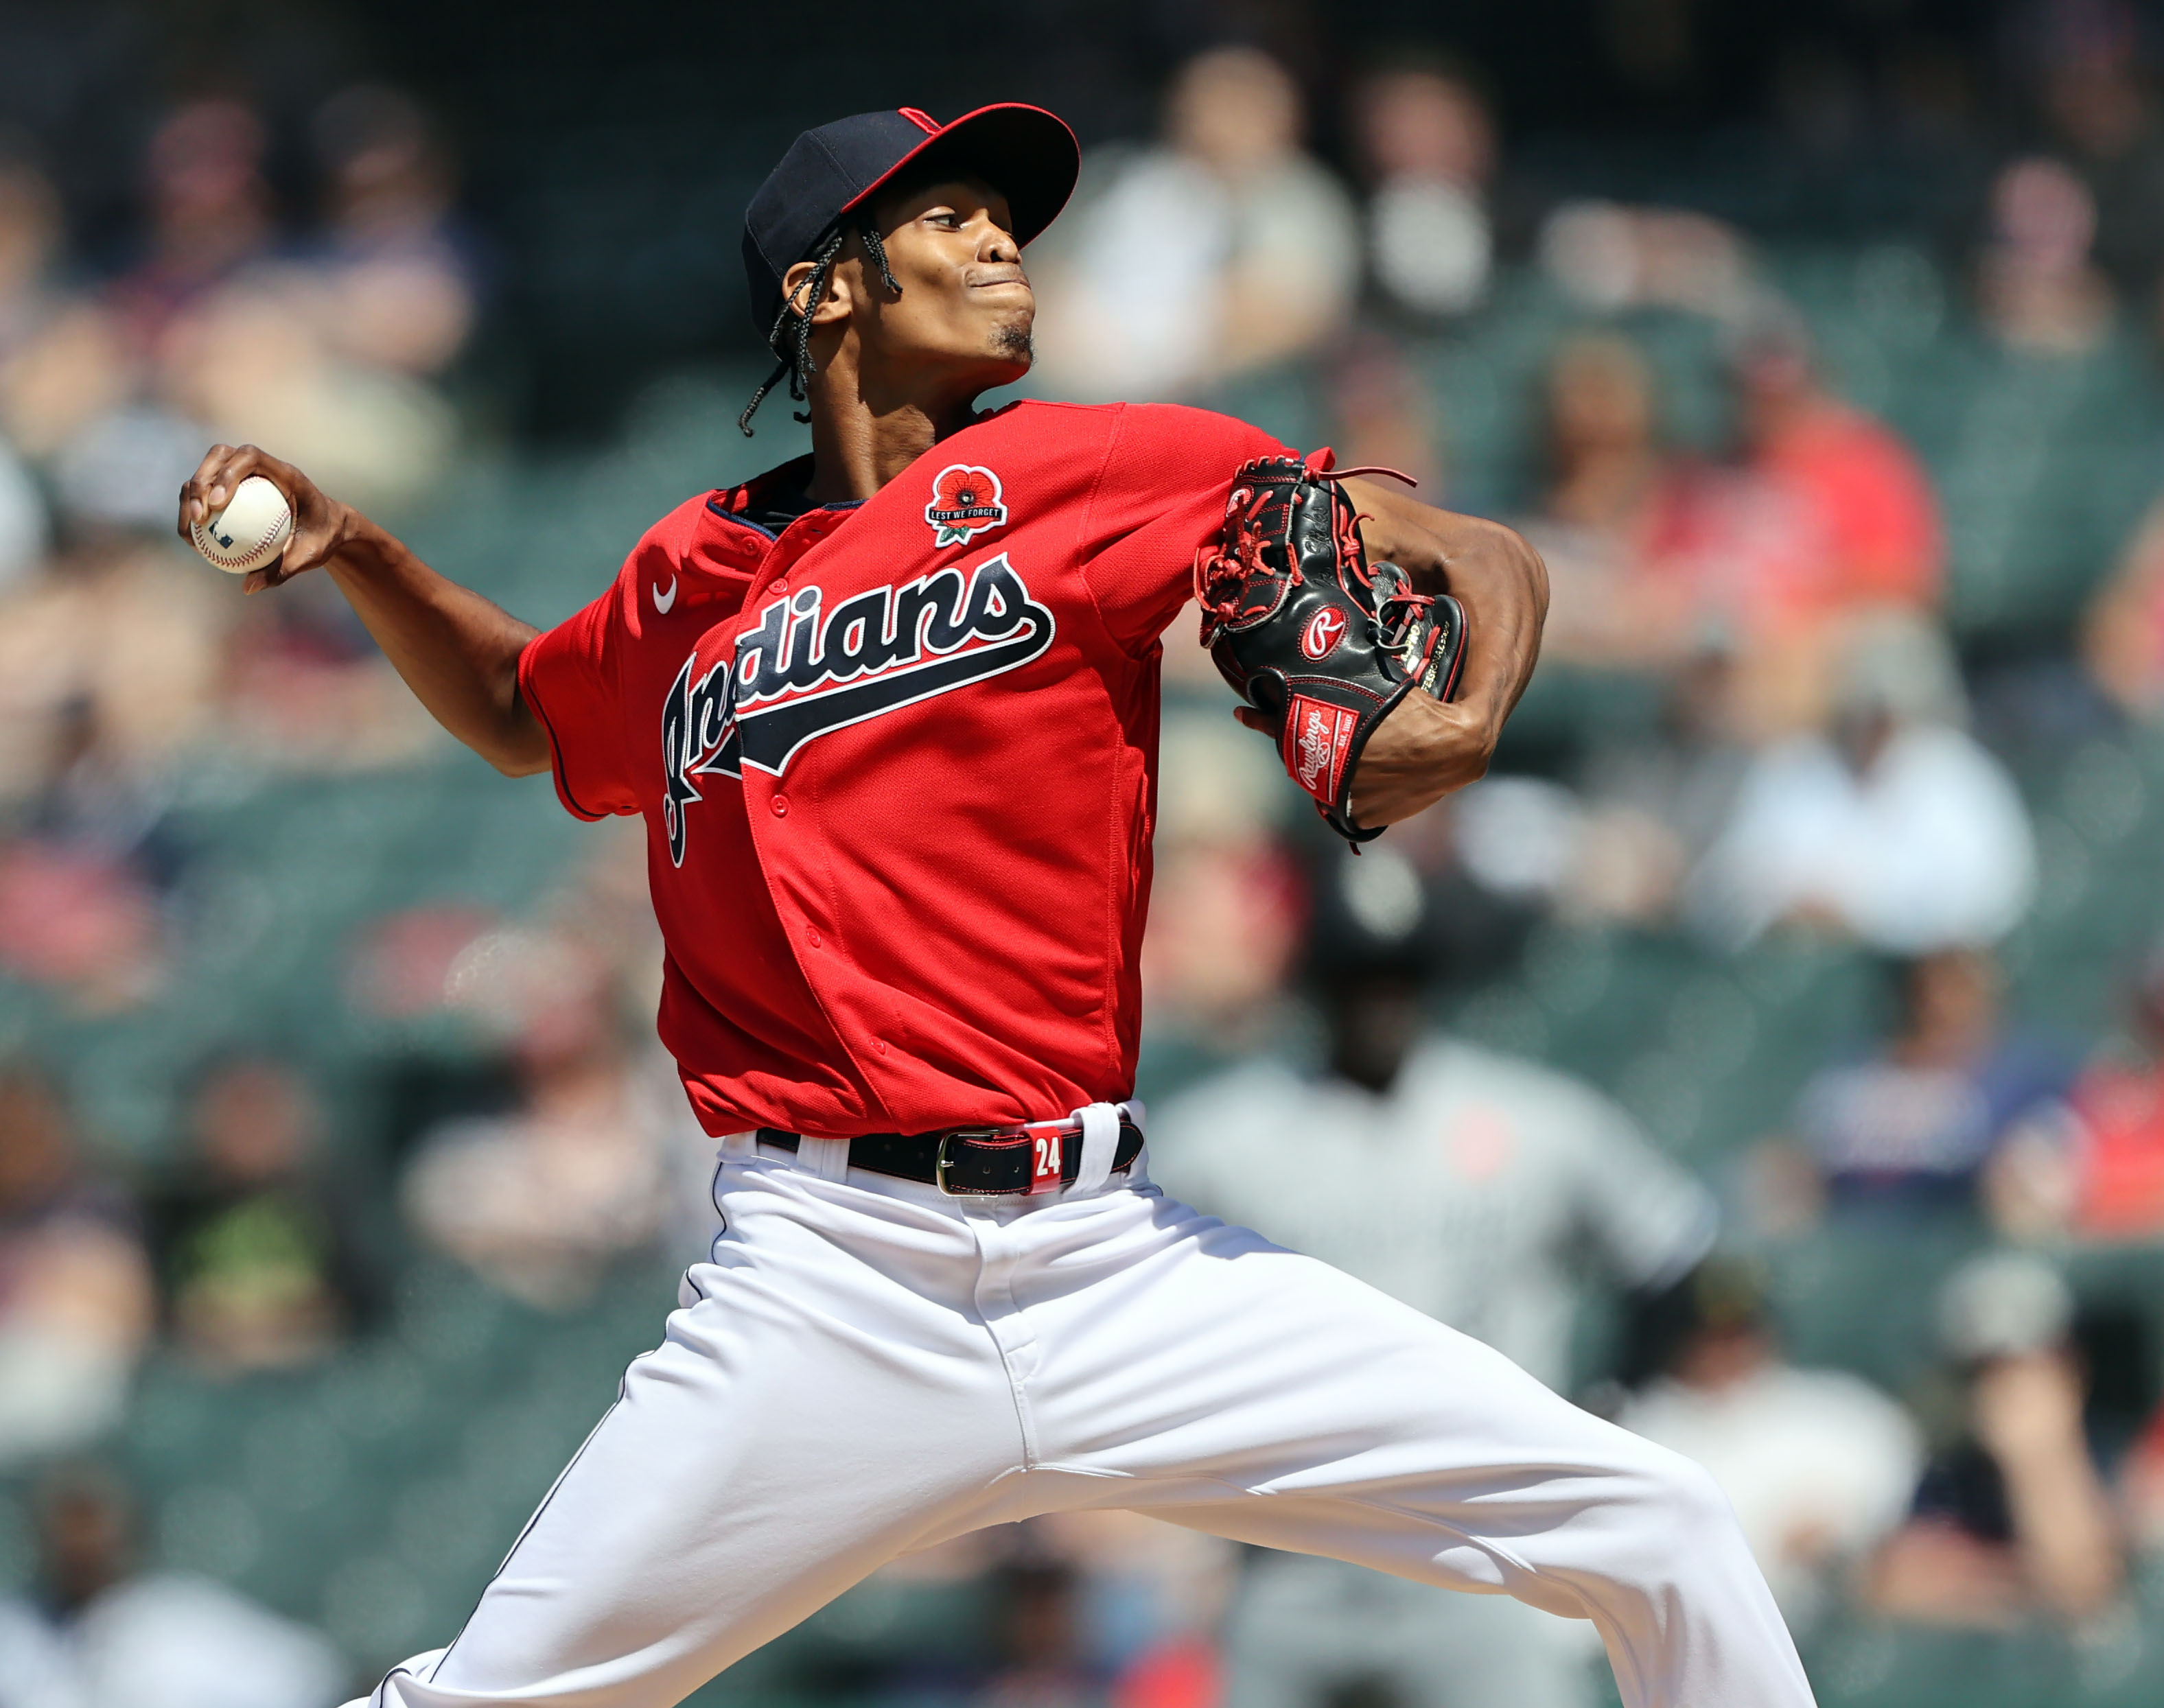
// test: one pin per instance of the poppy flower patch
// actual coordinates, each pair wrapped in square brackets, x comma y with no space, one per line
[965,502]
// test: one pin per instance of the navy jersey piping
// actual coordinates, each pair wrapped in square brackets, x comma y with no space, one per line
[714,504]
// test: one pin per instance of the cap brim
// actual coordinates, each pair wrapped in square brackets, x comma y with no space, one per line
[1027,153]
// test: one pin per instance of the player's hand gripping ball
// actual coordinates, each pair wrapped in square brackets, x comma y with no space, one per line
[250,531]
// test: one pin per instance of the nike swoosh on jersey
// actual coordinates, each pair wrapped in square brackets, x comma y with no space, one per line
[663,601]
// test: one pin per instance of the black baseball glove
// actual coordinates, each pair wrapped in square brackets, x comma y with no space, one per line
[1307,632]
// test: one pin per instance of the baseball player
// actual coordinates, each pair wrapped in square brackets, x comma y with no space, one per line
[889,712]
[1512,1187]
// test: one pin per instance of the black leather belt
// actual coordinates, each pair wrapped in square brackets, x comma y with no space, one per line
[980,1162]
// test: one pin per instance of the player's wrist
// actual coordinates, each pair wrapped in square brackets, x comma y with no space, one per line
[357,543]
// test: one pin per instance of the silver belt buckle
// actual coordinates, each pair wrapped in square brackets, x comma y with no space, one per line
[941,1161]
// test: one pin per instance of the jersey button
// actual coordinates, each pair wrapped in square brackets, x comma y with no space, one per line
[780,585]
[813,938]
[781,806]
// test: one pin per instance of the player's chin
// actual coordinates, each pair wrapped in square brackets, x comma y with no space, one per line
[1013,347]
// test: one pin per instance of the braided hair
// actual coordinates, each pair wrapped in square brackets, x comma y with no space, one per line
[793,324]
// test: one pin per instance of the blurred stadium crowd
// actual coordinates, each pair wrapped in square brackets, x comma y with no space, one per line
[1770,1054]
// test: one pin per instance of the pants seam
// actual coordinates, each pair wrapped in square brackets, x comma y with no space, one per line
[525,1530]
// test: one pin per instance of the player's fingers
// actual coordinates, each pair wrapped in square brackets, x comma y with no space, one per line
[1262,723]
[195,491]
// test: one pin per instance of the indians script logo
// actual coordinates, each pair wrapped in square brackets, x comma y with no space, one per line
[805,671]
[965,501]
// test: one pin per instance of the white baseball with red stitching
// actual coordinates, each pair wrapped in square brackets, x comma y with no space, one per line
[249,532]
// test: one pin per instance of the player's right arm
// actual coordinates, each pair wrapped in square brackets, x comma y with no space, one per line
[458,652]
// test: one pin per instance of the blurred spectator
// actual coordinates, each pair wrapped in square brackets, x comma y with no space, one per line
[32,230]
[76,1306]
[261,1263]
[2122,631]
[256,363]
[23,531]
[1038,1620]
[1227,904]
[399,293]
[213,335]
[2010,1518]
[325,357]
[542,1199]
[2037,287]
[1387,415]
[2092,1167]
[1877,515]
[1824,517]
[107,664]
[78,908]
[306,690]
[1224,248]
[1817,1464]
[1427,146]
[1504,1179]
[1895,827]
[1656,801]
[1609,483]
[2097,99]
[1912,1127]
[210,214]
[1839,523]
[1152,1595]
[99,1631]
[122,633]
[1608,257]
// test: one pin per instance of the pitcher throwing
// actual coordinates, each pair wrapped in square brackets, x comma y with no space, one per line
[890,713]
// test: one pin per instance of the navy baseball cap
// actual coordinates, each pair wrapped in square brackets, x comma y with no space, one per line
[1027,153]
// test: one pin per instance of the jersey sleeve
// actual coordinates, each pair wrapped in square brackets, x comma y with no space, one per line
[569,677]
[1159,497]
[1650,1221]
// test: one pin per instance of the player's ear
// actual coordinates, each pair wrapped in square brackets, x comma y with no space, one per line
[845,284]
[834,305]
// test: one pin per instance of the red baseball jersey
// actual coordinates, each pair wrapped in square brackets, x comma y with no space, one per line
[897,761]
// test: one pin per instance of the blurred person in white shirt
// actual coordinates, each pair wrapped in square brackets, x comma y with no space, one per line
[76,1305]
[97,1631]
[1485,1191]
[1817,1464]
[1224,248]
[1427,143]
[1894,826]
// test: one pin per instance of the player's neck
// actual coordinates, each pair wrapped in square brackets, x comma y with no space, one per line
[864,435]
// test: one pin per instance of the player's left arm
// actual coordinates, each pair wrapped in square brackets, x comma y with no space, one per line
[1427,747]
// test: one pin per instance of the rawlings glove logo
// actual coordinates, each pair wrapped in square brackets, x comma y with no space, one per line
[1324,631]
[1320,736]
[804,671]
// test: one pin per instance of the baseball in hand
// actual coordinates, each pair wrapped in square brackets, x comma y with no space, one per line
[249,532]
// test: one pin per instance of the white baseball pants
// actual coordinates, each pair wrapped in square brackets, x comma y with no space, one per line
[867,1368]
